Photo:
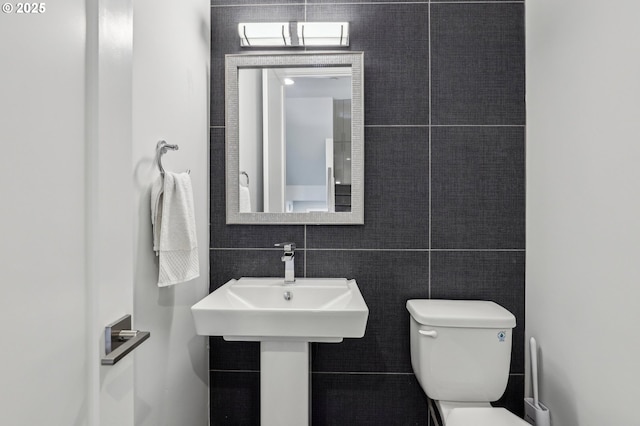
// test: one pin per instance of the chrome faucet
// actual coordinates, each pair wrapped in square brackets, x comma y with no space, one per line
[287,258]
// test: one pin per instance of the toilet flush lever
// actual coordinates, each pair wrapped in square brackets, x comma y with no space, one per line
[429,333]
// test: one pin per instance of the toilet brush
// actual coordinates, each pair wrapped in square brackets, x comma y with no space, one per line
[535,412]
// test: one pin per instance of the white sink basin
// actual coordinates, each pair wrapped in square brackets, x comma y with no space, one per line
[311,310]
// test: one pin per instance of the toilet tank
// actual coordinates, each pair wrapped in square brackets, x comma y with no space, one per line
[461,349]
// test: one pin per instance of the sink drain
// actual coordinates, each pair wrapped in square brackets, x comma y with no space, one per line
[288,295]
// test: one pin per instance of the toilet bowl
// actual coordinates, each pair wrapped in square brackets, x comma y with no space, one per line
[460,354]
[489,416]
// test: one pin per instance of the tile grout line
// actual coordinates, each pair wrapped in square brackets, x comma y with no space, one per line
[481,2]
[519,126]
[220,370]
[413,250]
[365,3]
[445,125]
[477,125]
[364,373]
[430,176]
[351,373]
[305,251]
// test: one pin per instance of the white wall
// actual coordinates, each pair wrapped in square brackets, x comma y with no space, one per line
[170,102]
[583,207]
[275,166]
[68,241]
[108,208]
[250,133]
[42,217]
[309,123]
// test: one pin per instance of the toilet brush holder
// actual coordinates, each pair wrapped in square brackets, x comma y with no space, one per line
[537,415]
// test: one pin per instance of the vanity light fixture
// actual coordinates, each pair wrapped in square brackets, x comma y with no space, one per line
[289,81]
[278,34]
[260,34]
[323,34]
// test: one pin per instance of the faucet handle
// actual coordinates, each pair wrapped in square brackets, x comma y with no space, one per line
[288,247]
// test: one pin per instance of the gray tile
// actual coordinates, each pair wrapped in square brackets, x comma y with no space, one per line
[339,399]
[513,397]
[477,189]
[233,236]
[225,40]
[477,63]
[396,194]
[234,398]
[233,356]
[253,3]
[368,399]
[387,279]
[217,196]
[476,1]
[362,1]
[259,236]
[477,200]
[228,264]
[395,41]
[495,276]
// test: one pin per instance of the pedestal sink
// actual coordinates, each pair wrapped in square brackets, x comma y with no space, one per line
[284,318]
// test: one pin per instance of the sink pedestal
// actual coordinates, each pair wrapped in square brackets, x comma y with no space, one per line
[284,383]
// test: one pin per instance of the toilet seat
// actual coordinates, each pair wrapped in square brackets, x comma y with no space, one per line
[483,416]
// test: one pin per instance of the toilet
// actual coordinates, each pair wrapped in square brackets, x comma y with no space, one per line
[460,354]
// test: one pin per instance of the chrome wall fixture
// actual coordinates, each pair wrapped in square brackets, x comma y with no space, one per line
[161,149]
[120,339]
[293,34]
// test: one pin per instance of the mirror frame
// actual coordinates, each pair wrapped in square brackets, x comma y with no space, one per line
[287,60]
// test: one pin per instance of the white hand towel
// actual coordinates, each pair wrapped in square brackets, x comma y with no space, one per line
[174,229]
[156,211]
[245,199]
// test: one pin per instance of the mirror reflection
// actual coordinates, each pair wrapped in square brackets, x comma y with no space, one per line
[295,139]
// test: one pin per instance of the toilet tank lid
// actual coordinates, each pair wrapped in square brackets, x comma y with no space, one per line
[460,313]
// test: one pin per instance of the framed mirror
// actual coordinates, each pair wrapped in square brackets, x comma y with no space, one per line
[295,138]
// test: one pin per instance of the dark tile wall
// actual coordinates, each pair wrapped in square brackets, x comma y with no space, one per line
[444,198]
